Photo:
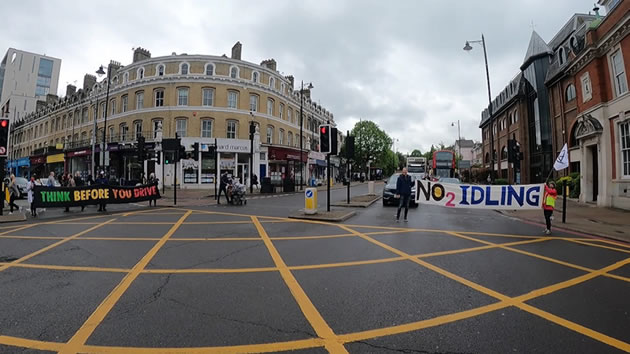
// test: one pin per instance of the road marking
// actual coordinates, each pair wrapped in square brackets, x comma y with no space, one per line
[81,336]
[72,268]
[142,211]
[211,271]
[30,344]
[594,244]
[308,309]
[33,237]
[49,247]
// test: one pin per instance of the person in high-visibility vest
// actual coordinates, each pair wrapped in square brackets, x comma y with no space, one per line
[549,203]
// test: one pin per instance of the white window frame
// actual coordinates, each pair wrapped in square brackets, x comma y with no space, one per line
[177,127]
[203,122]
[238,73]
[282,87]
[157,69]
[255,76]
[624,149]
[253,106]
[281,136]
[620,79]
[182,96]
[235,101]
[289,115]
[125,77]
[587,87]
[205,69]
[570,90]
[281,110]
[269,139]
[124,103]
[140,74]
[112,104]
[205,101]
[231,123]
[181,67]
[155,97]
[272,82]
[270,104]
[139,94]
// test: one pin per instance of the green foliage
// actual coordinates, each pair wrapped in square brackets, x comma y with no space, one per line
[573,181]
[402,160]
[388,162]
[371,143]
[501,181]
[416,153]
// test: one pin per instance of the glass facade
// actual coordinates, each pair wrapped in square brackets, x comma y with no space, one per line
[44,76]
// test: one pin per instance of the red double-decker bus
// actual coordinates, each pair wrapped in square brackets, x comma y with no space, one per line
[443,164]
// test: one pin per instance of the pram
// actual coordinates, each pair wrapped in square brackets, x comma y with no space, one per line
[238,194]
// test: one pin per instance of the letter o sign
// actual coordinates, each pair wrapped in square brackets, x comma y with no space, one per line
[437,192]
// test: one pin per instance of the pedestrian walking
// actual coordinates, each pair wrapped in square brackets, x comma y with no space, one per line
[30,186]
[152,180]
[403,191]
[14,193]
[69,182]
[255,182]
[549,203]
[225,181]
[102,180]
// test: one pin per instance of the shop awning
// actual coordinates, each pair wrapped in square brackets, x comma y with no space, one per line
[321,163]
[55,158]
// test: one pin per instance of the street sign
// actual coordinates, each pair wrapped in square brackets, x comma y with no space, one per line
[464,164]
[310,201]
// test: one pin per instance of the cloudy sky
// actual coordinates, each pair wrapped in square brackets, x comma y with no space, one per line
[398,63]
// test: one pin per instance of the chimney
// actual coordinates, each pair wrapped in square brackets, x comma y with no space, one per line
[307,93]
[236,51]
[88,82]
[269,63]
[71,90]
[291,80]
[140,54]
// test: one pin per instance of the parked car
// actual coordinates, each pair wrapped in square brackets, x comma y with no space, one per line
[389,192]
[450,180]
[21,184]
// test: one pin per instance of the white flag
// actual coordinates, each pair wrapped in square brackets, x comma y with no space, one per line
[562,161]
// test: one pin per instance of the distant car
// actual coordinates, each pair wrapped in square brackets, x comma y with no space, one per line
[44,182]
[21,183]
[389,192]
[450,180]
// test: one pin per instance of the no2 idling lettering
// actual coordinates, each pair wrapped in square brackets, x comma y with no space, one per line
[468,195]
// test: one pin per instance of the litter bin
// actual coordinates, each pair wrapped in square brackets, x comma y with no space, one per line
[266,186]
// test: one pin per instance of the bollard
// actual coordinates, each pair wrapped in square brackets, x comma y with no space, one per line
[371,188]
[310,201]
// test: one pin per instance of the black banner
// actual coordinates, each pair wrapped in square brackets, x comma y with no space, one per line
[50,197]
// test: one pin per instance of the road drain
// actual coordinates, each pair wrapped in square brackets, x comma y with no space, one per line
[7,259]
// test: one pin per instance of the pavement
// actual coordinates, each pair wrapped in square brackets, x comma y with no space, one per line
[247,279]
[585,218]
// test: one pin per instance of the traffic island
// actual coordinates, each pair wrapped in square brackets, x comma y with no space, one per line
[15,217]
[359,201]
[330,216]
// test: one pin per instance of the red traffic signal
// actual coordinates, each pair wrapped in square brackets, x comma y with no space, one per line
[323,128]
[4,123]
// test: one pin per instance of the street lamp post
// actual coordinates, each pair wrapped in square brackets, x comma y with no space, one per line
[101,72]
[468,48]
[459,139]
[252,131]
[310,86]
[94,134]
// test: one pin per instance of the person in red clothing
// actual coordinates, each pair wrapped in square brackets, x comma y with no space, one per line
[549,203]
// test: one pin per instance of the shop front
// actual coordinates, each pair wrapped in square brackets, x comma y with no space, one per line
[79,161]
[233,155]
[316,168]
[38,166]
[285,166]
[56,163]
[23,168]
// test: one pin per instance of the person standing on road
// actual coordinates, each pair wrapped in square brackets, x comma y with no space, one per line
[30,186]
[51,180]
[403,191]
[69,182]
[102,180]
[223,188]
[152,180]
[549,203]
[78,181]
[14,193]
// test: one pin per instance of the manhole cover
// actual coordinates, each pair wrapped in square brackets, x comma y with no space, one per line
[7,259]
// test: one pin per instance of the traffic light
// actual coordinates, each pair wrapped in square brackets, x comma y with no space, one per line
[141,152]
[181,153]
[158,156]
[334,149]
[195,151]
[350,147]
[511,151]
[324,138]
[4,137]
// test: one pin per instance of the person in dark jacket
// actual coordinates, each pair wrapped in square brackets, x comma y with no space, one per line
[403,191]
[223,188]
[78,181]
[102,180]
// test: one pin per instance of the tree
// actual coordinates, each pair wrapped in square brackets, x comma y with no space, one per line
[416,153]
[370,142]
[402,160]
[388,161]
